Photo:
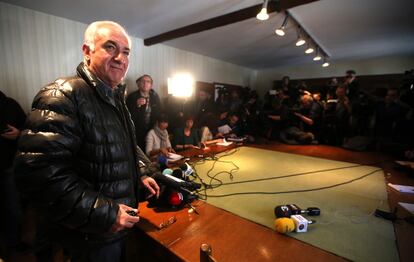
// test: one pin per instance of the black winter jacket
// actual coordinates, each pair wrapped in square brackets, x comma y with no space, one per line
[77,158]
[138,114]
[10,113]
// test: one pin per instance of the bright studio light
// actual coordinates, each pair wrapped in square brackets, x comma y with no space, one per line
[181,85]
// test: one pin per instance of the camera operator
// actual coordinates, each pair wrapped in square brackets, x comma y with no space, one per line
[297,119]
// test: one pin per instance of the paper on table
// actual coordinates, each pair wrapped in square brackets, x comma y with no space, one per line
[408,206]
[409,164]
[402,188]
[224,143]
[225,129]
[174,157]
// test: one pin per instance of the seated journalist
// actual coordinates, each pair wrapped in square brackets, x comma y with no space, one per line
[158,142]
[186,137]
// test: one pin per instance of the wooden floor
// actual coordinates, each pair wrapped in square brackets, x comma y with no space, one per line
[404,231]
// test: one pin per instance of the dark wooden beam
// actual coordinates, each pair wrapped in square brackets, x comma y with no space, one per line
[234,17]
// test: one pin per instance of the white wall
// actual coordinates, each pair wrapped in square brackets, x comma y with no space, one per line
[377,66]
[37,48]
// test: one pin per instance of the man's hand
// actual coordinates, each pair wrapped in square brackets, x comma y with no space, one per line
[164,151]
[11,133]
[141,101]
[170,150]
[123,219]
[151,185]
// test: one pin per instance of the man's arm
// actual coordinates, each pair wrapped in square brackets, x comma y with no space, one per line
[44,166]
[146,170]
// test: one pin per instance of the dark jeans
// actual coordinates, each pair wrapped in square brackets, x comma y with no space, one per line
[112,252]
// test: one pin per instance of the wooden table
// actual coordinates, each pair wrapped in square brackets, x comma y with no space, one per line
[232,238]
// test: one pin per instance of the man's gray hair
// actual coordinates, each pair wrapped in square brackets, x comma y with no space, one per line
[92,29]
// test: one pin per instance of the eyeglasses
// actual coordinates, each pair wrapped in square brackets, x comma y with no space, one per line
[167,223]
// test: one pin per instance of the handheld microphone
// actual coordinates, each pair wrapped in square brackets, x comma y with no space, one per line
[168,171]
[176,183]
[292,209]
[178,173]
[187,170]
[175,198]
[163,162]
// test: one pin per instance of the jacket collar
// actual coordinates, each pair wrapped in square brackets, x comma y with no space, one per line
[100,87]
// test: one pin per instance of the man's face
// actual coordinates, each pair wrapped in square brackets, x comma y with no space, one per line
[233,120]
[392,96]
[189,123]
[349,77]
[163,125]
[110,58]
[340,92]
[145,84]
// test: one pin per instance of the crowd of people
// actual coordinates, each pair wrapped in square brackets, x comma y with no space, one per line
[86,152]
[342,113]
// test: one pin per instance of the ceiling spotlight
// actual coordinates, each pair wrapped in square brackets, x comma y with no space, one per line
[301,41]
[325,62]
[262,15]
[309,50]
[317,57]
[281,30]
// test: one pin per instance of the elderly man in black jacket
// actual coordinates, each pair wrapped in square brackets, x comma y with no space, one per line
[78,159]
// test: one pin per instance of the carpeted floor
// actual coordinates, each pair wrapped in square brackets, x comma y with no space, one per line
[346,227]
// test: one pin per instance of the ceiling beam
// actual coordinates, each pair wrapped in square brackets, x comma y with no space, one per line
[234,17]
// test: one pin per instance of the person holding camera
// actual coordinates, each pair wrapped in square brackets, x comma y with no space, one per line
[144,105]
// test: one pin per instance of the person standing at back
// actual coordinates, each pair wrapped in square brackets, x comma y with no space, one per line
[144,106]
[77,159]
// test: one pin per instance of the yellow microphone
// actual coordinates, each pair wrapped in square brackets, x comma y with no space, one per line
[295,223]
[284,225]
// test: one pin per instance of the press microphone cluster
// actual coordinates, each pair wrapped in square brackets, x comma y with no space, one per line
[174,191]
[296,223]
[167,178]
[289,218]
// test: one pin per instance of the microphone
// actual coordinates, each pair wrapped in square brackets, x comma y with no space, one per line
[187,170]
[296,223]
[175,198]
[168,171]
[292,209]
[176,183]
[163,162]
